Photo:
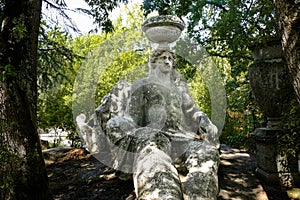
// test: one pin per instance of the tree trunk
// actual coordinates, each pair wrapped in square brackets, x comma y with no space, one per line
[288,14]
[23,173]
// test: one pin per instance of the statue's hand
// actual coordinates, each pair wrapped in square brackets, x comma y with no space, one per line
[87,133]
[113,124]
[123,124]
[208,131]
[117,128]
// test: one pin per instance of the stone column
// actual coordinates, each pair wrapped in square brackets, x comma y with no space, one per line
[271,88]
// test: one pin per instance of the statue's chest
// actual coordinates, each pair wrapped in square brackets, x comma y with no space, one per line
[159,94]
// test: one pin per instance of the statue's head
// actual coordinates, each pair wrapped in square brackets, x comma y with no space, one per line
[162,61]
[165,61]
[161,53]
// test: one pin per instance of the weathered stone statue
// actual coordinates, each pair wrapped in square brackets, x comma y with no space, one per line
[157,136]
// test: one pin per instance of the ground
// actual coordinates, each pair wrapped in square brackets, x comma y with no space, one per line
[75,174]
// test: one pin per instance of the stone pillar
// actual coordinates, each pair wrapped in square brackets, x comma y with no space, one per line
[271,88]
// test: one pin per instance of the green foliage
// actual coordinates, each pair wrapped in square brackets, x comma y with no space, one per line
[55,109]
[100,11]
[115,56]
[94,60]
[120,69]
[7,71]
[200,93]
[56,57]
[224,28]
[243,115]
[290,142]
[55,79]
[19,31]
[220,25]
[187,70]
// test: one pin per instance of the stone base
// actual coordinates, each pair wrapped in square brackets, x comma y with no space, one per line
[269,178]
[266,149]
[272,167]
[275,178]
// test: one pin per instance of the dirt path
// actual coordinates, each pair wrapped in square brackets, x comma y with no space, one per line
[74,174]
[237,178]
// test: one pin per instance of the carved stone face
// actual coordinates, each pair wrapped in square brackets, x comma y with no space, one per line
[164,63]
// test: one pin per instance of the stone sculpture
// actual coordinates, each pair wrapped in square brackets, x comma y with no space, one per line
[157,136]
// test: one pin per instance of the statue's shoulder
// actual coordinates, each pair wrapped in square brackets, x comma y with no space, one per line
[139,84]
[120,86]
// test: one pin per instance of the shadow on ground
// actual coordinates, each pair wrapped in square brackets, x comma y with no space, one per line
[75,174]
[236,176]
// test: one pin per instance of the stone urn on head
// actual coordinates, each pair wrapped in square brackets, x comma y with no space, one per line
[163,30]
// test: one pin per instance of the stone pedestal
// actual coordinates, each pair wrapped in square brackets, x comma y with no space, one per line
[266,154]
[274,167]
[272,91]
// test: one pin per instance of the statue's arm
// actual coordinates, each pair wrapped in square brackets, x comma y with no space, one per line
[118,128]
[88,133]
[198,121]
